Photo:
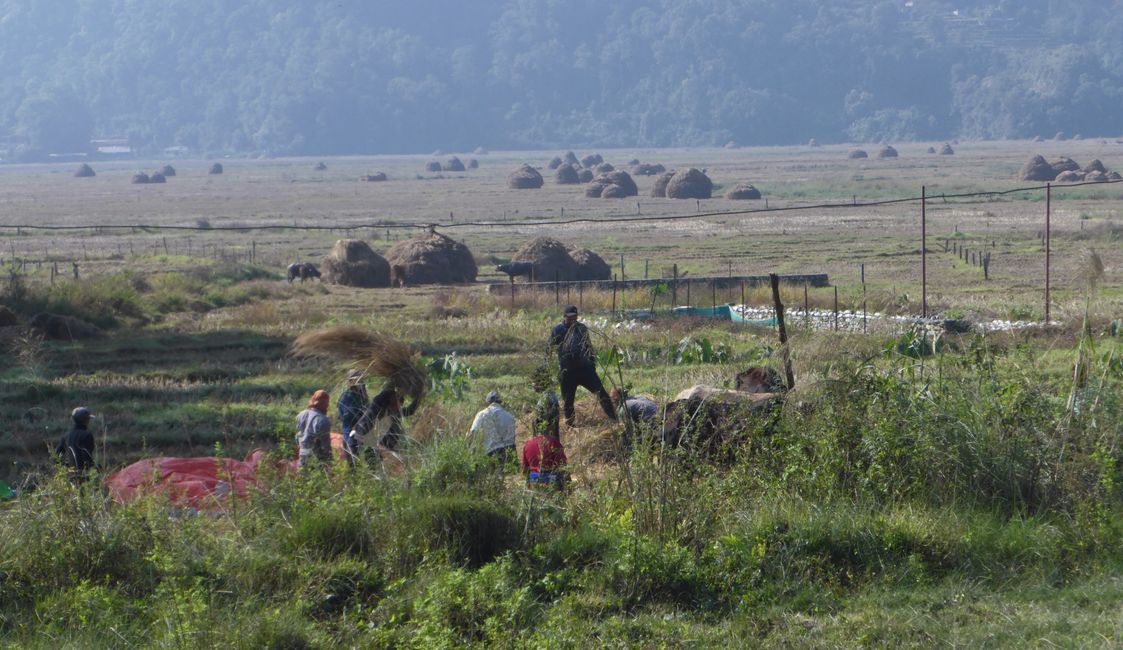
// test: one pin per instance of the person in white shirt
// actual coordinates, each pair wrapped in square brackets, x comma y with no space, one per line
[498,429]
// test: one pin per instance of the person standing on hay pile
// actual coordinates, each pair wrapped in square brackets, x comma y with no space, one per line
[387,404]
[498,429]
[351,405]
[313,430]
[75,449]
[544,461]
[577,364]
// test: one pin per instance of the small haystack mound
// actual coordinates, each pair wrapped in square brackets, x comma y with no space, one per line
[571,158]
[585,175]
[946,150]
[140,179]
[594,190]
[812,143]
[524,178]
[633,161]
[1070,177]
[689,183]
[375,177]
[431,259]
[1095,166]
[1037,169]
[604,168]
[554,163]
[1060,136]
[857,153]
[432,166]
[1095,177]
[743,192]
[320,167]
[887,152]
[566,174]
[931,150]
[621,179]
[659,188]
[352,263]
[453,165]
[216,169]
[1065,164]
[480,151]
[168,171]
[84,171]
[157,177]
[473,163]
[1114,176]
[57,327]
[549,260]
[645,169]
[590,266]
[592,160]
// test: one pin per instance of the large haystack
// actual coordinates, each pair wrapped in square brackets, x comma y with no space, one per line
[743,192]
[1070,177]
[216,169]
[1037,169]
[140,179]
[946,150]
[453,165]
[1065,164]
[690,183]
[887,152]
[566,174]
[554,163]
[594,190]
[571,158]
[1095,177]
[1114,176]
[473,163]
[352,263]
[1095,166]
[524,178]
[432,166]
[659,188]
[645,169]
[585,175]
[84,171]
[621,182]
[857,153]
[614,191]
[167,171]
[549,258]
[157,177]
[431,259]
[590,266]
[604,168]
[592,160]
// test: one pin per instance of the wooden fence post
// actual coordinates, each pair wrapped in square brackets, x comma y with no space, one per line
[774,280]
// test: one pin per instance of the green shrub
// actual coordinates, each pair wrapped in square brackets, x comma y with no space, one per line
[463,529]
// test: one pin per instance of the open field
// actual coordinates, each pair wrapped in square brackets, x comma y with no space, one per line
[968,497]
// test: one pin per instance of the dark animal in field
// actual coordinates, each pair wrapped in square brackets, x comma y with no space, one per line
[513,269]
[303,270]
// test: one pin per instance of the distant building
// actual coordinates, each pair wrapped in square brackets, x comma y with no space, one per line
[112,148]
[177,151]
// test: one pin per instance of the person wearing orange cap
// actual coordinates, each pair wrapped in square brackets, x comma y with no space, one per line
[313,430]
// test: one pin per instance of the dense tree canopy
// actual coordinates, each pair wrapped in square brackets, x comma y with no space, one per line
[368,76]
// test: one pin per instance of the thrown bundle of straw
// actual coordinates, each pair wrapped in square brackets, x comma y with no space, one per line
[373,352]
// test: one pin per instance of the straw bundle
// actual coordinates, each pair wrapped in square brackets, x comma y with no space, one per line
[374,352]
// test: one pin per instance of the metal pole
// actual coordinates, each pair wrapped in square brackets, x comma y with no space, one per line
[923,252]
[1048,241]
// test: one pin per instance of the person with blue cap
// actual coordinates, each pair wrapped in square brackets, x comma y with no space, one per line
[497,427]
[76,449]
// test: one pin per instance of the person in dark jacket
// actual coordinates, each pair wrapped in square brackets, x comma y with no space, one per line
[351,405]
[577,364]
[76,448]
[386,404]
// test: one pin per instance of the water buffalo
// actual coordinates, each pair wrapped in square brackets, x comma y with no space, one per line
[302,270]
[516,268]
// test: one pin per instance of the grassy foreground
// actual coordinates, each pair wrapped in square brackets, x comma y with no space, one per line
[901,497]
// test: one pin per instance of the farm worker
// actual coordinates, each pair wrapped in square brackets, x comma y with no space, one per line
[76,448]
[351,405]
[639,408]
[387,406]
[546,416]
[313,430]
[576,364]
[498,429]
[544,461]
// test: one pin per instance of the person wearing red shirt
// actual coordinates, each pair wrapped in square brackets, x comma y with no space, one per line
[543,462]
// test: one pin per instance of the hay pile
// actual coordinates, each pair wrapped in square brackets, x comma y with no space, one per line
[480,151]
[1060,136]
[140,179]
[571,158]
[375,177]
[1064,164]
[812,143]
[857,153]
[554,163]
[659,188]
[946,150]
[612,185]
[57,327]
[887,152]
[352,263]
[566,174]
[371,352]
[84,171]
[1114,176]
[614,192]
[167,171]
[320,167]
[604,168]
[743,192]
[432,166]
[551,259]
[592,160]
[524,178]
[454,165]
[590,266]
[1070,177]
[157,177]
[216,169]
[633,161]
[690,183]
[1037,169]
[931,150]
[1095,177]
[585,175]
[645,169]
[1095,166]
[432,259]
[473,163]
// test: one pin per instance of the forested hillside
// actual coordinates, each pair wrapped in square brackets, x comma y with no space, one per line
[372,76]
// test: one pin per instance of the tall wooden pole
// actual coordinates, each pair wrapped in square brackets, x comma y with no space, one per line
[923,252]
[1048,242]
[775,281]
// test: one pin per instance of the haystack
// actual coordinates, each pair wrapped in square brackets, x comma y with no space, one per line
[473,163]
[524,178]
[592,160]
[1070,177]
[585,175]
[690,183]
[375,177]
[743,192]
[1037,169]
[931,150]
[1065,164]
[571,158]
[614,192]
[619,178]
[887,152]
[659,189]
[1060,136]
[352,263]
[140,179]
[566,174]
[432,259]
[216,169]
[946,150]
[1095,177]
[857,153]
[167,171]
[480,151]
[604,168]
[1114,176]
[157,177]
[633,161]
[549,258]
[590,266]
[594,190]
[554,163]
[320,167]
[645,169]
[453,165]
[57,327]
[1095,166]
[432,166]
[84,171]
